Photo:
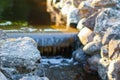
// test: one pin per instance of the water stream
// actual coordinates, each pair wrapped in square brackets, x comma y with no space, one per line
[54,43]
[59,68]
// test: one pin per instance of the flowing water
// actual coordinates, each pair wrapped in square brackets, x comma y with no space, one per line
[59,68]
[56,42]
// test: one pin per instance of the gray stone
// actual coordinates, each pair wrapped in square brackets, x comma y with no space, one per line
[34,78]
[80,56]
[104,51]
[109,66]
[94,61]
[90,21]
[73,16]
[9,72]
[106,19]
[85,9]
[111,33]
[92,48]
[103,67]
[114,69]
[2,76]
[21,54]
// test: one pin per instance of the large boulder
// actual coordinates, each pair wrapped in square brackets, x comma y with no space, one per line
[21,54]
[86,35]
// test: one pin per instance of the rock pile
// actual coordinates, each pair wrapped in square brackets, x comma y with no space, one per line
[100,34]
[18,57]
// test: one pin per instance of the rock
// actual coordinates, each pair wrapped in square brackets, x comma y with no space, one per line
[86,35]
[85,9]
[80,56]
[90,21]
[92,48]
[114,69]
[111,33]
[34,78]
[2,76]
[76,2]
[10,73]
[103,3]
[104,51]
[80,25]
[97,38]
[103,67]
[107,37]
[21,54]
[106,19]
[114,48]
[94,61]
[73,16]
[109,67]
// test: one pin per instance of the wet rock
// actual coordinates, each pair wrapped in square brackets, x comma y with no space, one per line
[20,53]
[86,36]
[106,19]
[34,78]
[80,56]
[92,48]
[2,76]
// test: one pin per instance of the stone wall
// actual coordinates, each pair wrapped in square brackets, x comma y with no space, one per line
[99,33]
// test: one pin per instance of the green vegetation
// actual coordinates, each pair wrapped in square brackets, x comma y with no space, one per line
[14,10]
